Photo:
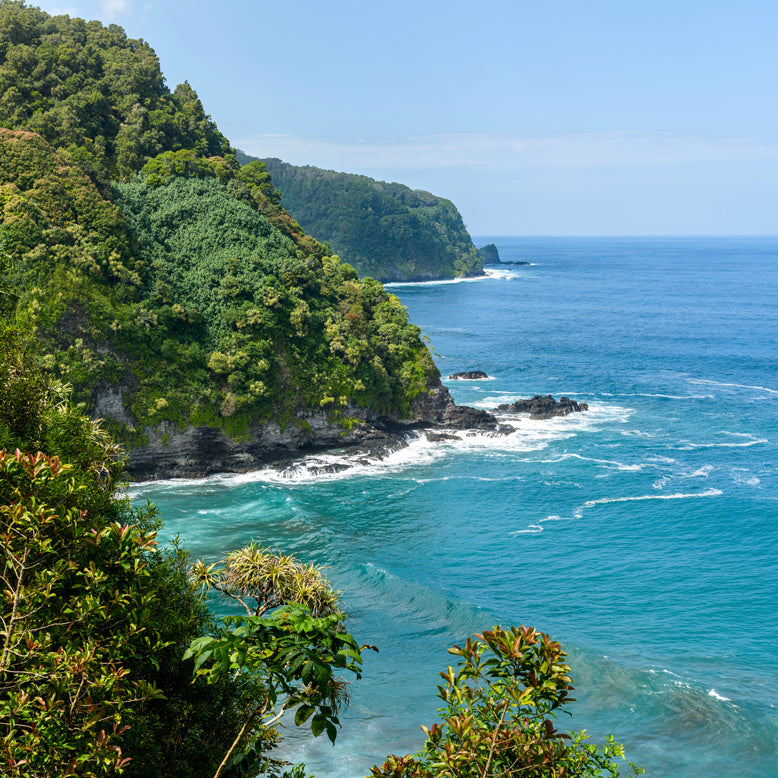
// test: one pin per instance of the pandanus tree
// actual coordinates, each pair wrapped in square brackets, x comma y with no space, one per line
[291,641]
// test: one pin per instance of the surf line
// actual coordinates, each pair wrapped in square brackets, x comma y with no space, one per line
[678,496]
[578,512]
[737,386]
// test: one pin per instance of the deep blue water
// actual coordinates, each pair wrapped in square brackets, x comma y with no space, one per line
[641,534]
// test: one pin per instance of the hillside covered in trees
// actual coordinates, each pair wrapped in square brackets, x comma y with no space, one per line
[147,276]
[163,280]
[387,231]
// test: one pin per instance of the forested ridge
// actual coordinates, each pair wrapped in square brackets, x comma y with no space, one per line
[385,230]
[148,262]
[148,277]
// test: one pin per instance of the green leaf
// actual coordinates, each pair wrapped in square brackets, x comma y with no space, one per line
[317,725]
[302,714]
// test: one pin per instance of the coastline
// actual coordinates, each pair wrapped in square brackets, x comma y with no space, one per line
[197,452]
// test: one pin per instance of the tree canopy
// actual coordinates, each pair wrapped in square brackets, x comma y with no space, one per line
[110,661]
[385,230]
[180,284]
[94,93]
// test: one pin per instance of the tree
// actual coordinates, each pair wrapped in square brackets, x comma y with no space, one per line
[94,617]
[497,717]
[76,583]
[76,608]
[291,643]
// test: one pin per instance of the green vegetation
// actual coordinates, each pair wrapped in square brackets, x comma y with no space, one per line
[111,664]
[489,254]
[152,267]
[294,650]
[94,94]
[386,231]
[138,259]
[497,717]
[265,326]
[96,622]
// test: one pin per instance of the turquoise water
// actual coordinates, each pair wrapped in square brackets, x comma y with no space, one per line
[641,534]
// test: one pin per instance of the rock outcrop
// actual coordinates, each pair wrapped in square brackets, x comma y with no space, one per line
[489,254]
[436,408]
[173,451]
[543,407]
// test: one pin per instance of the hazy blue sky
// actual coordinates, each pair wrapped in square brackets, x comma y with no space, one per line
[599,117]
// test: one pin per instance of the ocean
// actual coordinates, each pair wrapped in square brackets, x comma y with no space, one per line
[641,533]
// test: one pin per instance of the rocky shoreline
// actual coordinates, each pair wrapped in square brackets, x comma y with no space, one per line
[544,407]
[196,452]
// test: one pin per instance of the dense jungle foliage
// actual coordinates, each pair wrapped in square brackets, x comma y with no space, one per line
[148,262]
[137,255]
[94,93]
[111,664]
[98,624]
[387,231]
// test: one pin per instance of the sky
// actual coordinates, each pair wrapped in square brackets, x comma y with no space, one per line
[607,117]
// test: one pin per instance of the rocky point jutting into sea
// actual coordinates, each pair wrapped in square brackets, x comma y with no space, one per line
[197,451]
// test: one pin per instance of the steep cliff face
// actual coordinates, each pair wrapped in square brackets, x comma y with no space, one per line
[385,230]
[172,450]
[209,335]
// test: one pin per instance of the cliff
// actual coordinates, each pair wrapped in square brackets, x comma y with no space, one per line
[165,283]
[384,230]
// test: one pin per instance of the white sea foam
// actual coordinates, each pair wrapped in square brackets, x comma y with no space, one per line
[527,435]
[505,275]
[636,433]
[679,496]
[686,445]
[579,511]
[470,382]
[745,478]
[532,529]
[610,464]
[713,693]
[734,386]
[671,396]
[598,413]
[439,282]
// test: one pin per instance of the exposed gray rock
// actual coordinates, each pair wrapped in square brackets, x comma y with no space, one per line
[436,408]
[489,254]
[108,404]
[192,452]
[544,407]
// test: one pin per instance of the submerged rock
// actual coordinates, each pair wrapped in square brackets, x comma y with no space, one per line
[468,375]
[543,407]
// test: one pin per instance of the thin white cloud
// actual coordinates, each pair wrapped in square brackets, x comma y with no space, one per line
[507,152]
[116,9]
[58,10]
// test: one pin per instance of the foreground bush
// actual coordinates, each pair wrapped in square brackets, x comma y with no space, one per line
[497,717]
[96,620]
